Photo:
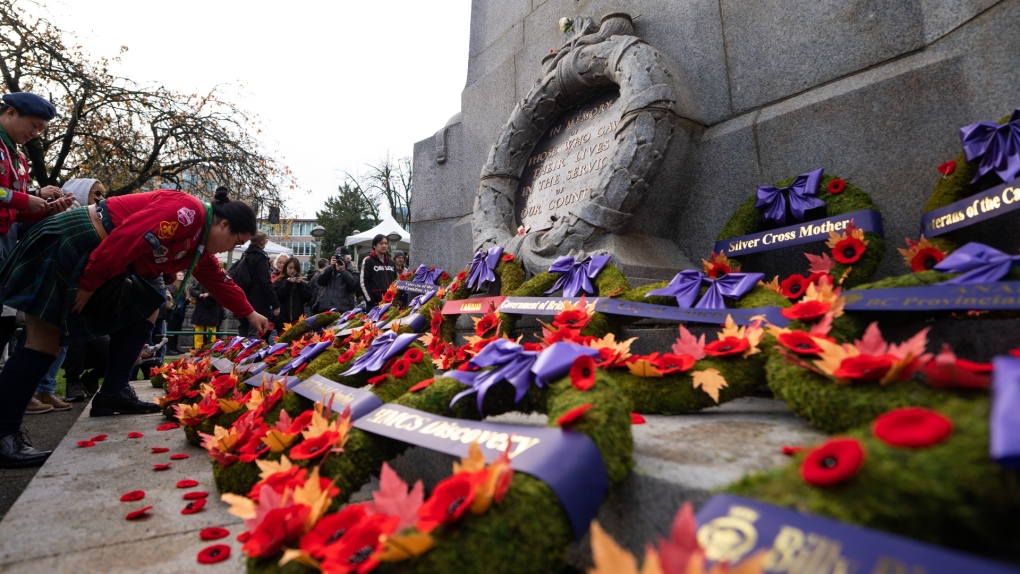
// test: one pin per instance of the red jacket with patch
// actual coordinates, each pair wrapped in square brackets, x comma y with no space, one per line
[13,203]
[159,232]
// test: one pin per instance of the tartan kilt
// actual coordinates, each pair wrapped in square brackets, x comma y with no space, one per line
[41,276]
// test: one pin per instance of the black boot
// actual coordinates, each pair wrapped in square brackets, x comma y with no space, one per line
[125,402]
[16,451]
[75,392]
[116,396]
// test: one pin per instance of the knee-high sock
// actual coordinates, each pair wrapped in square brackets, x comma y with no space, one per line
[18,380]
[125,347]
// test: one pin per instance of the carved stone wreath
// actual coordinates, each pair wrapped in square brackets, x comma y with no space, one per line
[591,61]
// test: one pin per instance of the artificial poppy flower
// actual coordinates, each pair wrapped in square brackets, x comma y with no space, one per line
[793,286]
[836,186]
[213,533]
[573,414]
[670,363]
[378,379]
[414,355]
[161,466]
[437,321]
[387,297]
[926,259]
[947,168]
[792,450]
[717,270]
[444,276]
[912,427]
[727,346]
[958,374]
[195,495]
[637,419]
[301,368]
[136,514]
[280,526]
[800,342]
[168,426]
[462,275]
[86,443]
[848,250]
[179,456]
[449,500]
[359,549]
[454,286]
[135,435]
[582,373]
[160,449]
[346,356]
[98,438]
[400,368]
[807,310]
[194,506]
[314,447]
[486,324]
[572,319]
[424,384]
[833,462]
[132,496]
[330,528]
[213,554]
[509,257]
[243,537]
[187,483]
[864,367]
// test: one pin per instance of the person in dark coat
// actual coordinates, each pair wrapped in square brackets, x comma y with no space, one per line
[207,316]
[338,282]
[253,276]
[293,291]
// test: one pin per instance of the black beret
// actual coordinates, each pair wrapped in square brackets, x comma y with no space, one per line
[31,105]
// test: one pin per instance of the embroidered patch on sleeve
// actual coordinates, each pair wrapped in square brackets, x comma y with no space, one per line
[5,195]
[160,251]
[161,260]
[151,239]
[167,229]
[186,216]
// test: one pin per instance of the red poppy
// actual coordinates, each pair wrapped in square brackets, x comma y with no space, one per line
[926,259]
[213,533]
[807,310]
[213,554]
[800,342]
[833,462]
[135,435]
[948,167]
[98,438]
[161,466]
[636,419]
[582,373]
[450,499]
[301,368]
[315,447]
[194,506]
[509,257]
[330,528]
[414,355]
[378,379]
[135,514]
[848,250]
[836,186]
[912,427]
[437,321]
[573,414]
[187,483]
[793,286]
[961,374]
[454,286]
[132,496]
[387,297]
[168,426]
[462,275]
[86,443]
[400,368]
[243,537]
[717,270]
[792,450]
[424,384]
[864,367]
[727,346]
[444,276]
[195,495]
[486,324]
[669,363]
[573,319]
[179,456]
[347,356]
[357,550]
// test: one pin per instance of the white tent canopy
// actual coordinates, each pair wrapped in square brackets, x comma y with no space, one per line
[362,242]
[271,249]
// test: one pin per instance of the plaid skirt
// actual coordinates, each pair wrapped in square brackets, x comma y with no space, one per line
[41,278]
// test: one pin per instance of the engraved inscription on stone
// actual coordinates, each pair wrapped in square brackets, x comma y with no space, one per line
[567,161]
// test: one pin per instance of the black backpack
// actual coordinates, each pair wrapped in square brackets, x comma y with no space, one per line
[240,273]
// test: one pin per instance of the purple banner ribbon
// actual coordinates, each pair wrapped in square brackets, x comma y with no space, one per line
[1004,423]
[321,389]
[1002,295]
[305,355]
[732,528]
[808,232]
[978,263]
[252,368]
[425,275]
[483,268]
[686,287]
[568,461]
[410,287]
[988,204]
[377,312]
[262,354]
[997,146]
[554,305]
[420,300]
[576,275]
[802,194]
[383,348]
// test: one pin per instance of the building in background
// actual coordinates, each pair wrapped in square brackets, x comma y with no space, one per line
[295,234]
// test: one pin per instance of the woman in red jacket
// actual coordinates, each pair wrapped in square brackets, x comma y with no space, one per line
[121,247]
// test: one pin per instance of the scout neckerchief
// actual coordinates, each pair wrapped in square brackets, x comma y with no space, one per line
[198,253]
[15,159]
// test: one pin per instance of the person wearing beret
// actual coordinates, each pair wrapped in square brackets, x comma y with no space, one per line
[89,272]
[23,117]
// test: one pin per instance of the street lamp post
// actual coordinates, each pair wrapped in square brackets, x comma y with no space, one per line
[318,232]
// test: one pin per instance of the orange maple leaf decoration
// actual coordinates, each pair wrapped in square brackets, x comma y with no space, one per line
[851,230]
[710,381]
[719,259]
[643,368]
[824,292]
[772,285]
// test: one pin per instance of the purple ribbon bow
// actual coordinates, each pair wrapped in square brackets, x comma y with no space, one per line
[518,367]
[801,193]
[997,146]
[979,263]
[482,268]
[383,348]
[577,275]
[420,300]
[377,312]
[686,287]
[304,355]
[423,275]
[1004,422]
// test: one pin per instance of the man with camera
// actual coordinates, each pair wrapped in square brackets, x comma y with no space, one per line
[338,283]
